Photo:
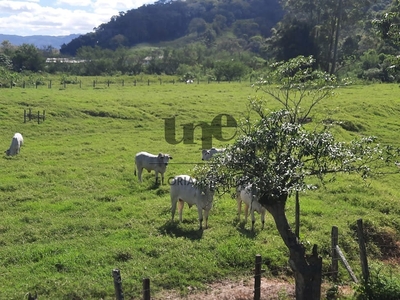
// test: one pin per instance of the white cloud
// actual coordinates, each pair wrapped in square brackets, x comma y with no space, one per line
[62,17]
[75,2]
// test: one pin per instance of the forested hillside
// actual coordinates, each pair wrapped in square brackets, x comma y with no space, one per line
[169,20]
[227,40]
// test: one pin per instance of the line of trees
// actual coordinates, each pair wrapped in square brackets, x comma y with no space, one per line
[226,40]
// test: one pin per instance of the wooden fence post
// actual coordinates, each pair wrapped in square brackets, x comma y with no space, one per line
[50,84]
[346,264]
[146,289]
[123,82]
[160,81]
[44,114]
[94,83]
[38,117]
[134,83]
[363,250]
[257,278]
[108,83]
[148,81]
[335,258]
[118,284]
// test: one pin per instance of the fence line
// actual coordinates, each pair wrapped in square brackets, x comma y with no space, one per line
[116,274]
[29,116]
[337,254]
[109,82]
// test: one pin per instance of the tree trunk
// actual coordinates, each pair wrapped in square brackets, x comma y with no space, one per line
[307,269]
[338,21]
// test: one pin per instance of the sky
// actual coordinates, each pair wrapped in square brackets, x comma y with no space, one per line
[60,17]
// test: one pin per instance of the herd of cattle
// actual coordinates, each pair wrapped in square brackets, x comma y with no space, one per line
[183,188]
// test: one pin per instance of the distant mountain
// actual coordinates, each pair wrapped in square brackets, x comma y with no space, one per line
[39,40]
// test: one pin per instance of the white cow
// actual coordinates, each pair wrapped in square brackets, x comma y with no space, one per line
[148,161]
[184,189]
[16,143]
[206,154]
[189,81]
[249,197]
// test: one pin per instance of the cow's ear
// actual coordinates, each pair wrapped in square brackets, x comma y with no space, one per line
[170,157]
[160,155]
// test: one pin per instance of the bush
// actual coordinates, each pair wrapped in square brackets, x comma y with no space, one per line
[380,286]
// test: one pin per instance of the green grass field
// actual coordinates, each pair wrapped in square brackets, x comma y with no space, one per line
[71,209]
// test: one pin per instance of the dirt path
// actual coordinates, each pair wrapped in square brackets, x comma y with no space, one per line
[242,290]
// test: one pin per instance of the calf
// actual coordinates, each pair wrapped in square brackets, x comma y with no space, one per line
[247,195]
[16,144]
[148,161]
[206,154]
[184,189]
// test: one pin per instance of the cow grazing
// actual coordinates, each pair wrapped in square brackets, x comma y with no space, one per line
[189,81]
[184,189]
[249,196]
[206,154]
[150,162]
[16,143]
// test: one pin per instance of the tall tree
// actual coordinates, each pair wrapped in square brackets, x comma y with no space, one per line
[326,19]
[279,157]
[28,57]
[388,24]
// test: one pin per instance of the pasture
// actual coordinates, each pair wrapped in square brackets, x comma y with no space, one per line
[71,209]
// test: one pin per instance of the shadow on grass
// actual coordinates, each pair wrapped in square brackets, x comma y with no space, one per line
[241,228]
[173,229]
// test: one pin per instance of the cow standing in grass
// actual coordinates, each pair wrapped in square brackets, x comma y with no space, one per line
[184,189]
[16,144]
[248,195]
[150,162]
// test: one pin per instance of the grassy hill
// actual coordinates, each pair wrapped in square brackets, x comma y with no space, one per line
[72,209]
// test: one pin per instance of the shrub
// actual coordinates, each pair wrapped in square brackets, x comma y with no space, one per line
[380,285]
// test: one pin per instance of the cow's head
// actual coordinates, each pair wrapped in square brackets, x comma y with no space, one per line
[205,154]
[163,159]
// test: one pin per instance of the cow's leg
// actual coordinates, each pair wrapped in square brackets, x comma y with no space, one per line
[140,173]
[173,206]
[180,208]
[200,212]
[156,177]
[262,219]
[239,205]
[253,219]
[246,212]
[206,218]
